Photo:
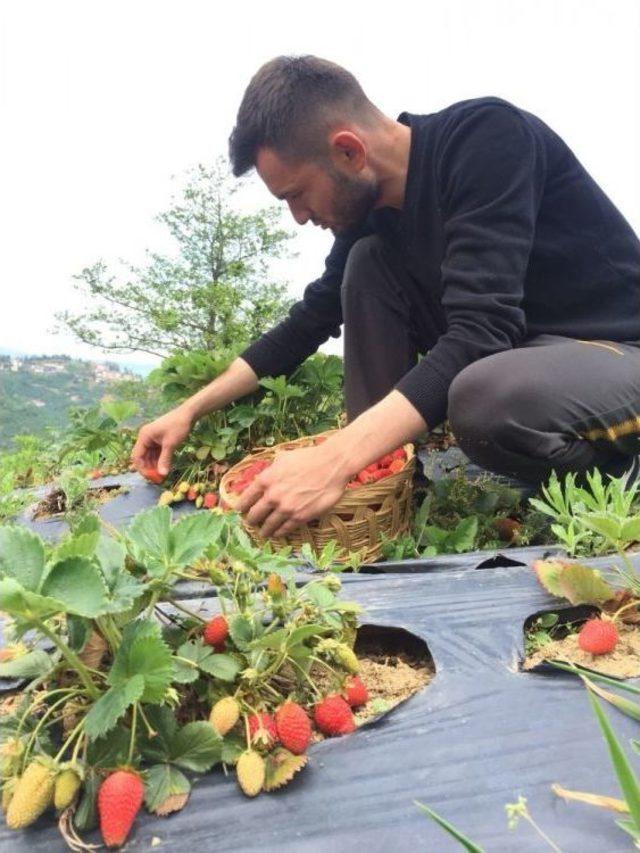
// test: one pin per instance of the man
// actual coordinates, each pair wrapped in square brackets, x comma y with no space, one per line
[472,235]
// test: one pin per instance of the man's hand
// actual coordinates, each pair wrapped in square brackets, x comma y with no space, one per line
[300,485]
[157,441]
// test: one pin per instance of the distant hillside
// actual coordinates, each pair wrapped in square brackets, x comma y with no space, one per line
[36,392]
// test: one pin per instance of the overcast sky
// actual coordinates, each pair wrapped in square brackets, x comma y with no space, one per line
[102,102]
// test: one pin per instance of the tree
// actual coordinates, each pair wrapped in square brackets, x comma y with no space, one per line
[214,293]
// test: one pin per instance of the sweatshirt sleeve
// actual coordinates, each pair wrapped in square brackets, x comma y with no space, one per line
[490,177]
[311,321]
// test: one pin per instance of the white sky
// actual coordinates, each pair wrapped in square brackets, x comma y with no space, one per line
[102,102]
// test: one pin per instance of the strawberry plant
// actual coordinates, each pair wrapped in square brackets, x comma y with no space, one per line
[127,691]
[594,519]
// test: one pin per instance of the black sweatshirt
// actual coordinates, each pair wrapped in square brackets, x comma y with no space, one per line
[508,237]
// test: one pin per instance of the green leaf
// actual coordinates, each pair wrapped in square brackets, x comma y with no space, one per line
[162,783]
[165,725]
[196,747]
[241,631]
[299,635]
[124,592]
[83,545]
[455,833]
[120,410]
[464,535]
[631,530]
[583,585]
[111,555]
[78,632]
[319,595]
[21,603]
[31,665]
[143,653]
[109,751]
[222,666]
[150,538]
[110,707]
[232,748]
[78,583]
[605,525]
[191,535]
[626,777]
[21,556]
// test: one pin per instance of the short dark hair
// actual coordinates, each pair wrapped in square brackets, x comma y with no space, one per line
[289,106]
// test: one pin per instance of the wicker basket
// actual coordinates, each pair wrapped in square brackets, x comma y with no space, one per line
[355,522]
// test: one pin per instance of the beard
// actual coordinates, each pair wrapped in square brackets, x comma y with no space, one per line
[354,197]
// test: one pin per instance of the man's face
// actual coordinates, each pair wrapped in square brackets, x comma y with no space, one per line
[329,197]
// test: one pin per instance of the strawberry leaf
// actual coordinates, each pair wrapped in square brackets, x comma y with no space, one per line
[192,534]
[78,583]
[111,555]
[150,539]
[165,726]
[220,666]
[109,751]
[110,707]
[82,545]
[583,585]
[241,631]
[31,665]
[196,746]
[20,602]
[143,653]
[21,556]
[548,572]
[166,789]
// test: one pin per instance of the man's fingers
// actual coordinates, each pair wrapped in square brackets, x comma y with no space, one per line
[275,521]
[251,494]
[164,460]
[259,511]
[285,529]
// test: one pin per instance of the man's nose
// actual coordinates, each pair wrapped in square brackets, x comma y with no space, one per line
[299,213]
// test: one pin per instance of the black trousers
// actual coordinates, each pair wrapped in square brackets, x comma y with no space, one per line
[552,403]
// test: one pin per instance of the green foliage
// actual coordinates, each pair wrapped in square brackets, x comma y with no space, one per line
[103,432]
[592,520]
[462,839]
[213,292]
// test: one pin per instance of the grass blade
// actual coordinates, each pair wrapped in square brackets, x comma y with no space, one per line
[455,833]
[626,777]
[596,676]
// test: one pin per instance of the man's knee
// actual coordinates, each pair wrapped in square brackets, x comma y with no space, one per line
[363,266]
[485,401]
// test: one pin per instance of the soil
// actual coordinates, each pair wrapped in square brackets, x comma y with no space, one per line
[54,504]
[622,662]
[440,438]
[390,679]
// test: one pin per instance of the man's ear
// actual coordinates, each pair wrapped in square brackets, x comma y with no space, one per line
[348,150]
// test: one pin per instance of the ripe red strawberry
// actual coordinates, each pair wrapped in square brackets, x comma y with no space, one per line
[96,474]
[262,730]
[333,716]
[598,637]
[293,727]
[400,453]
[396,466]
[191,494]
[153,475]
[365,476]
[371,468]
[216,632]
[355,692]
[381,473]
[119,800]
[386,460]
[210,500]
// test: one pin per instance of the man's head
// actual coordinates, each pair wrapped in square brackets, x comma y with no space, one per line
[303,123]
